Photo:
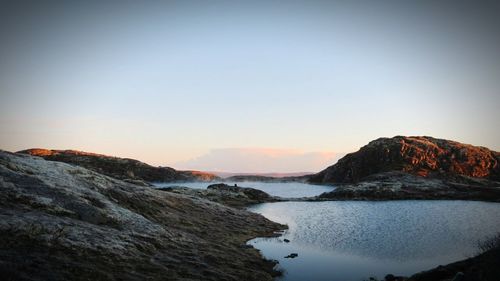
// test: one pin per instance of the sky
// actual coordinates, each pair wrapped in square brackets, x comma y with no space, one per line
[246,86]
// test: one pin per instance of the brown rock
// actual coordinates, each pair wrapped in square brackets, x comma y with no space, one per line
[420,156]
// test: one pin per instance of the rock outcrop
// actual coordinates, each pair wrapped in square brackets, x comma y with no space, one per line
[234,196]
[65,222]
[120,168]
[414,168]
[404,186]
[421,156]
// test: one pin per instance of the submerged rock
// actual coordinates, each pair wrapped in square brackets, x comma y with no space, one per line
[292,256]
[459,276]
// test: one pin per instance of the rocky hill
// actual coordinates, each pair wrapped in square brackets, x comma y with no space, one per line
[120,168]
[420,156]
[65,222]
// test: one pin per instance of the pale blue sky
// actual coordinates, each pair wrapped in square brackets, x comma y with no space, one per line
[166,82]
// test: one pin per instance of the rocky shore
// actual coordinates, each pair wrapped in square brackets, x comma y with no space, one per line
[404,186]
[64,222]
[105,215]
[414,168]
[483,267]
[234,196]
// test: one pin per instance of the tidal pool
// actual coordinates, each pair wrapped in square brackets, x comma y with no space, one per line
[353,240]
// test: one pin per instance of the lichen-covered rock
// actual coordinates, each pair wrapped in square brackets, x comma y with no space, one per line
[120,168]
[420,156]
[65,222]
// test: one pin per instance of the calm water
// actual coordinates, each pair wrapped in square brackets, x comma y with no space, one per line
[349,240]
[289,190]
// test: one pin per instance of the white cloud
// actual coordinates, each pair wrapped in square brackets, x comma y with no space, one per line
[260,160]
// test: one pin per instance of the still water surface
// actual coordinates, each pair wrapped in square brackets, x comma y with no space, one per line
[350,240]
[288,190]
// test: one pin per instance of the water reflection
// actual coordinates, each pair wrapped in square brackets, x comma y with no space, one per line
[355,240]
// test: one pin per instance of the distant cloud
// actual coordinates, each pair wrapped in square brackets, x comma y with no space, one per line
[260,160]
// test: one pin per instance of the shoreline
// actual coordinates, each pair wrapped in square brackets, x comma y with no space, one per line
[481,262]
[204,232]
[120,230]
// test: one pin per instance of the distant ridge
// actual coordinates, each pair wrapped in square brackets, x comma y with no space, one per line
[121,168]
[420,156]
[271,175]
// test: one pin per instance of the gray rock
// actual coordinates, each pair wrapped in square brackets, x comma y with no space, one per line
[64,222]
